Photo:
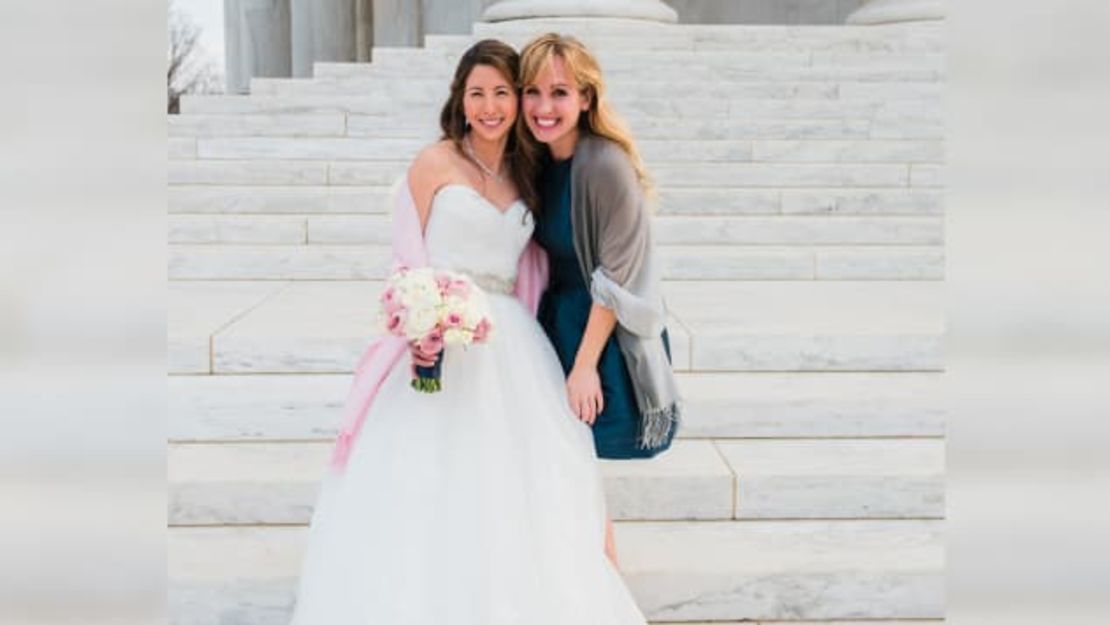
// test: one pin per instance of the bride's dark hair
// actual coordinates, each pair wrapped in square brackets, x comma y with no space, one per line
[521,152]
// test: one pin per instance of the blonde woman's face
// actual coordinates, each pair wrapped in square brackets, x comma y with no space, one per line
[489,103]
[552,105]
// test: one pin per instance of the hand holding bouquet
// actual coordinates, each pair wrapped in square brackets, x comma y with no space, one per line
[433,309]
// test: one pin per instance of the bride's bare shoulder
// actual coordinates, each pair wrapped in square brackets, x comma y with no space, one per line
[435,160]
[432,168]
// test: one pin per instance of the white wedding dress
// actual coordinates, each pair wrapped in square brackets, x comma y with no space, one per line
[478,505]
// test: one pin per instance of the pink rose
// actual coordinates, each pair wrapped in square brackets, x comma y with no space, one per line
[390,302]
[396,322]
[481,331]
[458,288]
[433,343]
[453,320]
[443,283]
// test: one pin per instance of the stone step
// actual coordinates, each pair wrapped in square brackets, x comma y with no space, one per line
[660,69]
[694,47]
[311,327]
[277,482]
[810,326]
[688,107]
[677,262]
[181,147]
[677,571]
[275,229]
[260,173]
[346,148]
[924,621]
[282,172]
[372,200]
[287,199]
[425,89]
[196,312]
[668,230]
[801,83]
[846,478]
[745,39]
[390,61]
[780,175]
[280,125]
[323,327]
[654,151]
[730,33]
[926,175]
[403,136]
[278,262]
[307,407]
[437,59]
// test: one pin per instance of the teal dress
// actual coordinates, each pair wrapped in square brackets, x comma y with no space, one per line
[564,311]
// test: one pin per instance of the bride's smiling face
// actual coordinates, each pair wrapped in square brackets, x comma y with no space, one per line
[489,103]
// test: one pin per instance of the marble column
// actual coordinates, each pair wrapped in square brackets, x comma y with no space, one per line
[654,10]
[256,42]
[323,30]
[441,17]
[398,23]
[894,11]
[364,30]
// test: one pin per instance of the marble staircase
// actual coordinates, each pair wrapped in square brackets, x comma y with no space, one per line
[800,224]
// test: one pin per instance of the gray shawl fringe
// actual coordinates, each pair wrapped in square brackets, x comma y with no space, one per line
[612,238]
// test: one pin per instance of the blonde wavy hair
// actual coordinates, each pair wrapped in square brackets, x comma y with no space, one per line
[583,67]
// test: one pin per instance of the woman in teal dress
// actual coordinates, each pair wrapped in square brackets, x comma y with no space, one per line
[564,314]
[602,310]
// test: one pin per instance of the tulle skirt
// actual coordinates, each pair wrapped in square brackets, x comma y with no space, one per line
[478,505]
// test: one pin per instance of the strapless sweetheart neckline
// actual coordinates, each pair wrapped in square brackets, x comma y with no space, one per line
[503,211]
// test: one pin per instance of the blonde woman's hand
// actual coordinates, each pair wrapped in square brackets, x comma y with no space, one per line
[584,393]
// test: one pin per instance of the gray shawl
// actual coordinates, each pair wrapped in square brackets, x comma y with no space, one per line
[612,238]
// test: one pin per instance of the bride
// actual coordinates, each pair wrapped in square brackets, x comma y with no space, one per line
[481,504]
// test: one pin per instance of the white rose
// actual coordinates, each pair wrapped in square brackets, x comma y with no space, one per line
[457,336]
[420,322]
[473,312]
[453,303]
[419,295]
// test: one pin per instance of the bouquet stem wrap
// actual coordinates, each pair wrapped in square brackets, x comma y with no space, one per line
[429,379]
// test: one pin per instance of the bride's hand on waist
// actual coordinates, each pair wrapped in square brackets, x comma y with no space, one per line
[584,393]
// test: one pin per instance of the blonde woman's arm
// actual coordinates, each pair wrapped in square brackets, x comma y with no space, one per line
[622,224]
[584,383]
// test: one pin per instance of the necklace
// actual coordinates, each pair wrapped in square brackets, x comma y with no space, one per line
[486,170]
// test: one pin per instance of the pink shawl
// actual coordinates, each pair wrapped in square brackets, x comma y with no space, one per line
[386,352]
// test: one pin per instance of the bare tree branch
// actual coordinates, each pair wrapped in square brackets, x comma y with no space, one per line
[187,71]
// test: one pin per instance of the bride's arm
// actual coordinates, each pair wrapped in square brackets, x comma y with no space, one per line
[429,171]
[425,176]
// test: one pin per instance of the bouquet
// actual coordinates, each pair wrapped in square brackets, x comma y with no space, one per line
[433,309]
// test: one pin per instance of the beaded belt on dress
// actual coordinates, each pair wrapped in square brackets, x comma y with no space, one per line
[491,283]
